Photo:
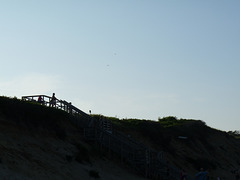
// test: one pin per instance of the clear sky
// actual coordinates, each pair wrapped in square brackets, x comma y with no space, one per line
[128,58]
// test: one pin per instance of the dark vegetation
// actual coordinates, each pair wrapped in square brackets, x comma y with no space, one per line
[163,131]
[235,134]
[162,135]
[33,116]
[166,129]
[19,110]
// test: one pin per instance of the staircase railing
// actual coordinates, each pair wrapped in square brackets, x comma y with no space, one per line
[59,104]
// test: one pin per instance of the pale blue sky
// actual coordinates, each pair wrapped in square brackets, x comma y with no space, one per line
[129,58]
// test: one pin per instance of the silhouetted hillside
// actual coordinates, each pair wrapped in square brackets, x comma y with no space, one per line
[188,144]
[38,141]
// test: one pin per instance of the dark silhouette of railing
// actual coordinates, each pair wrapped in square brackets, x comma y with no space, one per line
[63,105]
[143,159]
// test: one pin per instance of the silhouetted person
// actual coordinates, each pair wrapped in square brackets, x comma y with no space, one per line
[70,108]
[53,101]
[40,100]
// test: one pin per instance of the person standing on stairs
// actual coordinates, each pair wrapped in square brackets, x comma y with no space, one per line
[53,100]
[40,100]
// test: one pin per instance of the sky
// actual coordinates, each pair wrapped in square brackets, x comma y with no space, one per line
[141,59]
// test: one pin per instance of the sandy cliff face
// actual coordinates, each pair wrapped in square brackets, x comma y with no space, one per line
[220,158]
[38,142]
[201,146]
[219,153]
[40,154]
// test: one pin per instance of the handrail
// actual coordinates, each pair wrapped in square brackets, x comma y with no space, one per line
[59,104]
[45,99]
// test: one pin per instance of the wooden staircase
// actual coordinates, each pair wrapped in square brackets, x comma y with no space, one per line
[143,159]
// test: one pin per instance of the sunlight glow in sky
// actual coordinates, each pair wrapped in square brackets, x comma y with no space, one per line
[130,59]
